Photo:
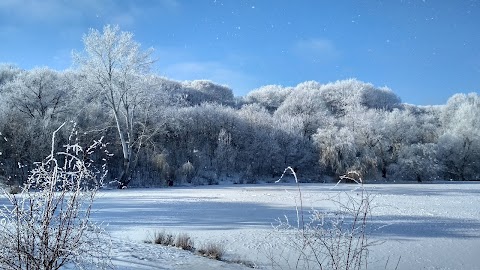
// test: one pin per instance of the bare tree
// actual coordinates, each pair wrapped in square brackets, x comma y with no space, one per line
[113,64]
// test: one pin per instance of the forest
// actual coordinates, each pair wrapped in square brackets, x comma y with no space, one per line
[161,132]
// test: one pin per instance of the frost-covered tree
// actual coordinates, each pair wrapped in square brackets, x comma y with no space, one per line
[208,91]
[428,122]
[306,104]
[40,93]
[294,149]
[391,130]
[169,92]
[115,68]
[459,155]
[8,72]
[365,140]
[34,103]
[416,162]
[459,143]
[269,96]
[347,124]
[204,124]
[353,142]
[338,150]
[258,149]
[342,95]
[379,98]
[192,134]
[225,154]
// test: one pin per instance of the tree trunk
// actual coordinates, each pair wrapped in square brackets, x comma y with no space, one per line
[124,178]
[384,171]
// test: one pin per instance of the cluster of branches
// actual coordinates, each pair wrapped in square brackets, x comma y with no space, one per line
[333,238]
[164,132]
[47,225]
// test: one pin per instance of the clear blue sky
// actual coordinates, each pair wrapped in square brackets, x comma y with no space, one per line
[424,50]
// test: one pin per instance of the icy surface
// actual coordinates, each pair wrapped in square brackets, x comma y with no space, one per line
[423,226]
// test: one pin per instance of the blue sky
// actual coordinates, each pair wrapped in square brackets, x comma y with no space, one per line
[424,50]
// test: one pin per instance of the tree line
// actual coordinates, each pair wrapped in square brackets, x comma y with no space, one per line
[165,132]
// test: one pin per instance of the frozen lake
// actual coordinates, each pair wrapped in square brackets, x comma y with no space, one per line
[423,226]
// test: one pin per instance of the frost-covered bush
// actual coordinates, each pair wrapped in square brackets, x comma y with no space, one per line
[48,225]
[329,239]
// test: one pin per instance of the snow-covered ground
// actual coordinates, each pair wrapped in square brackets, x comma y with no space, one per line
[423,226]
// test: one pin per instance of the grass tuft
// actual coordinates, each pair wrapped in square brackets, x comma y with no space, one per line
[163,238]
[184,242]
[212,251]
